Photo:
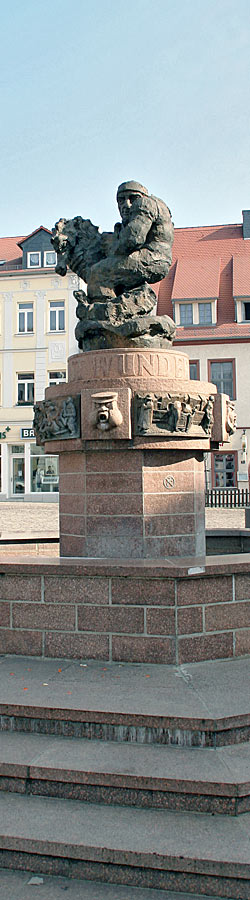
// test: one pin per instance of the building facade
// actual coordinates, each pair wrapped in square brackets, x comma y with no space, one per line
[37,323]
[207,292]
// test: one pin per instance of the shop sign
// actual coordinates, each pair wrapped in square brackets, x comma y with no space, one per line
[49,479]
[4,433]
[27,433]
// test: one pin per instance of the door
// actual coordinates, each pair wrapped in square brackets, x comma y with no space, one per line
[17,470]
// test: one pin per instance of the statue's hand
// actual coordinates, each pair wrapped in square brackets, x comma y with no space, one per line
[106,240]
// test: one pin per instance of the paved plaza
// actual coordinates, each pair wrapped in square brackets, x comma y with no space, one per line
[19,519]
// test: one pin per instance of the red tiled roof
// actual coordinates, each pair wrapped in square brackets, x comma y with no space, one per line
[9,248]
[241,276]
[213,248]
[196,278]
[213,332]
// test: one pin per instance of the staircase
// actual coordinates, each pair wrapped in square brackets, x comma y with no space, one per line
[137,799]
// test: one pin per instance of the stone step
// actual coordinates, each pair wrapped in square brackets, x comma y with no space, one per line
[157,704]
[18,886]
[92,724]
[215,781]
[171,851]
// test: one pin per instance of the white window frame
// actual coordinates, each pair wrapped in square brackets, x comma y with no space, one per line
[57,307]
[29,264]
[45,263]
[26,379]
[24,310]
[53,380]
[240,309]
[195,303]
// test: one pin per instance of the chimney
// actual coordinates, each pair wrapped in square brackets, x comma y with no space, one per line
[246,223]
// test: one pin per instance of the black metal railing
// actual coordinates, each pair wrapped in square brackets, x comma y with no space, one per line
[227,498]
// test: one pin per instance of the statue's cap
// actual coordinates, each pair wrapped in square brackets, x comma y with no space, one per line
[133,186]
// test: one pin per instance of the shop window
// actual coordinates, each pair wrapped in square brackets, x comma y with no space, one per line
[25,389]
[49,258]
[34,260]
[205,313]
[44,471]
[186,313]
[25,318]
[194,369]
[224,470]
[56,378]
[222,373]
[56,315]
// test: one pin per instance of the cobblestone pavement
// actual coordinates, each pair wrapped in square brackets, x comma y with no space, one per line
[225,518]
[25,519]
[41,519]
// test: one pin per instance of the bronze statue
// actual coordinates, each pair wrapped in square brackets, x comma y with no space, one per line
[118,268]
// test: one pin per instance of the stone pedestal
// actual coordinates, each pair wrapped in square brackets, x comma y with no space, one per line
[131,471]
[136,503]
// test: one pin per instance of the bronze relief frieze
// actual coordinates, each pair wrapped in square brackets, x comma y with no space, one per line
[57,419]
[180,414]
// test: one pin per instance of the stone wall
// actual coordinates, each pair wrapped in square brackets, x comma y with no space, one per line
[127,611]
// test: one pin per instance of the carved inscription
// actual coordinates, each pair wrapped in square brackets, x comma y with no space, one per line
[136,364]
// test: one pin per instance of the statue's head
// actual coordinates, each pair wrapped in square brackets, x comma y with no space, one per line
[127,193]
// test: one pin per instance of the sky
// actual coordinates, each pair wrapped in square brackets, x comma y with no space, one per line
[96,92]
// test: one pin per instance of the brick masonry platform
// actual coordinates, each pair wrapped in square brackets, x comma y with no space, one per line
[130,610]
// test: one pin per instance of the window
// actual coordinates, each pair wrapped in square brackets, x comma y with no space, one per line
[186,314]
[247,311]
[222,373]
[34,260]
[56,315]
[44,471]
[25,317]
[56,377]
[25,389]
[49,258]
[224,470]
[194,369]
[205,313]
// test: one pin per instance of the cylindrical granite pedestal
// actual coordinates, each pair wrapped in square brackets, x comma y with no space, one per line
[131,430]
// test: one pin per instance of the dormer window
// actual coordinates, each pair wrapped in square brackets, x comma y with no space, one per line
[187,313]
[34,260]
[49,258]
[247,311]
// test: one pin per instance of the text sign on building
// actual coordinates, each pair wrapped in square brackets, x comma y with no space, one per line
[27,433]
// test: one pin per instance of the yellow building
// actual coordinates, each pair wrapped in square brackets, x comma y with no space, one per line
[37,323]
